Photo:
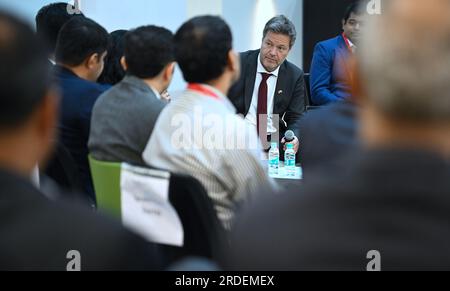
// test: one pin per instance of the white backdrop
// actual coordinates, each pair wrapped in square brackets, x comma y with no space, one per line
[246,17]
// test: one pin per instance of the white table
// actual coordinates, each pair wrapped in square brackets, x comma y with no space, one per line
[283,176]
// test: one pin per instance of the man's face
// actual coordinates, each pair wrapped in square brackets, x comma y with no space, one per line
[274,50]
[352,27]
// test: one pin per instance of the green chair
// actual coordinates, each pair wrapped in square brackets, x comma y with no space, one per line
[203,233]
[106,178]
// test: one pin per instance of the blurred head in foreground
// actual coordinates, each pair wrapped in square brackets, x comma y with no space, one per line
[402,75]
[28,106]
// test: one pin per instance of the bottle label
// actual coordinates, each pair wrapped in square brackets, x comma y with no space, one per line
[274,163]
[289,160]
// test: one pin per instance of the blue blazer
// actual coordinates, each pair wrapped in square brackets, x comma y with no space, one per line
[78,99]
[329,72]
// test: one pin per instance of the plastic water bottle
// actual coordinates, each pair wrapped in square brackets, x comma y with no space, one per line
[274,159]
[289,161]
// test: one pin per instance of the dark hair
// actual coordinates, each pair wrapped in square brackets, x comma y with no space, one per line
[148,49]
[355,8]
[78,39]
[49,21]
[113,72]
[282,25]
[201,48]
[24,71]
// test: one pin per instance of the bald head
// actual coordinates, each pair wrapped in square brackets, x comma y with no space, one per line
[404,59]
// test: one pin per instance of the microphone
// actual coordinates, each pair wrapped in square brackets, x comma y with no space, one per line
[289,136]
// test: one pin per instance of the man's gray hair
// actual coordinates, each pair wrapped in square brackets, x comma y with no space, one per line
[282,25]
[405,64]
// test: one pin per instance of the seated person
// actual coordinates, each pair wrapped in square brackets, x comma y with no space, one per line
[49,21]
[80,52]
[387,206]
[38,234]
[114,72]
[329,66]
[269,84]
[61,169]
[181,143]
[123,117]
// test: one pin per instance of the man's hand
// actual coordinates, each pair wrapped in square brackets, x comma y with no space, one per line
[295,142]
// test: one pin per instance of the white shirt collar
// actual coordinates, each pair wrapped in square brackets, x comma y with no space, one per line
[156,93]
[352,45]
[261,68]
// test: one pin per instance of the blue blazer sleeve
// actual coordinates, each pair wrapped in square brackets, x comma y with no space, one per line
[321,76]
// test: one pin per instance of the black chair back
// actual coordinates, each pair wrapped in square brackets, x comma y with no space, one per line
[308,100]
[309,103]
[204,235]
[63,169]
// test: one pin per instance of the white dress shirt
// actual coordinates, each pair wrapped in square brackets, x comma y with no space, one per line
[229,175]
[271,85]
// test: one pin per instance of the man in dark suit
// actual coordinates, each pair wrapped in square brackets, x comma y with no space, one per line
[329,67]
[35,233]
[387,207]
[80,52]
[270,86]
[61,168]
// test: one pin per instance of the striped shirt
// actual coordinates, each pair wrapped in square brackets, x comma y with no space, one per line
[202,136]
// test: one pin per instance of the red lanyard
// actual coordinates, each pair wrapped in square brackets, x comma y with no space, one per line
[201,89]
[347,42]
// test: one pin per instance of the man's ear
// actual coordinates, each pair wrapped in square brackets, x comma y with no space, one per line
[343,23]
[92,61]
[123,63]
[169,70]
[233,61]
[234,65]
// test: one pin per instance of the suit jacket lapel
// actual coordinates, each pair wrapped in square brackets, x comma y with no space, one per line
[280,93]
[250,79]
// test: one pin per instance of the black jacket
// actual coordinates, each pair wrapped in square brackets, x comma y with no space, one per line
[37,234]
[394,201]
[290,90]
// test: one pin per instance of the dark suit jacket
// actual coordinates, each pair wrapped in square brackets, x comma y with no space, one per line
[327,133]
[395,201]
[329,72]
[78,99]
[37,234]
[289,94]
